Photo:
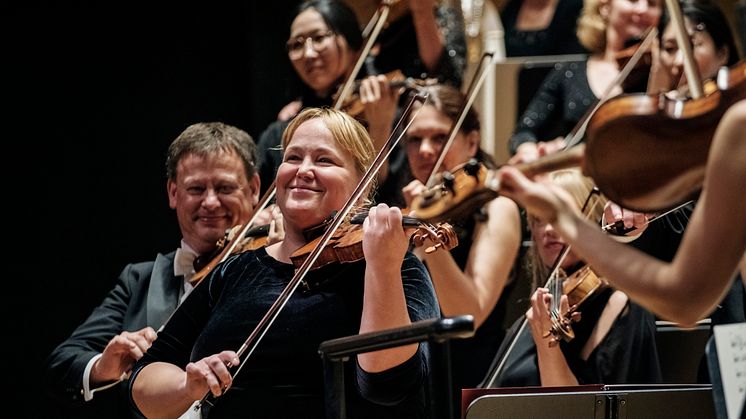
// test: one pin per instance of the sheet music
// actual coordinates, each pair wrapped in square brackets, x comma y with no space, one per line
[730,342]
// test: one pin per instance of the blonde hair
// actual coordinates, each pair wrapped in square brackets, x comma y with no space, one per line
[579,187]
[592,26]
[348,133]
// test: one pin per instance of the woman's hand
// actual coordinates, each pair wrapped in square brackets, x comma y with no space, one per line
[379,101]
[636,221]
[538,315]
[414,189]
[526,152]
[385,242]
[210,374]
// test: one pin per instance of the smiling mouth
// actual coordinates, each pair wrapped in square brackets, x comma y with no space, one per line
[303,189]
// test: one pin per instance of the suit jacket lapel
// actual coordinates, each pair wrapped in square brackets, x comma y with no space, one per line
[164,290]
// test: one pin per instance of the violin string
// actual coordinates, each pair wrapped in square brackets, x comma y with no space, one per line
[610,226]
[554,282]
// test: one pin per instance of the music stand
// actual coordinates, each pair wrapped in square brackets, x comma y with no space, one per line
[592,402]
[437,332]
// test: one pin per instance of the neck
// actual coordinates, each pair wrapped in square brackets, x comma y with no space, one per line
[614,44]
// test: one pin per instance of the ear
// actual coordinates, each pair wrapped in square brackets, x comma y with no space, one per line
[171,188]
[254,184]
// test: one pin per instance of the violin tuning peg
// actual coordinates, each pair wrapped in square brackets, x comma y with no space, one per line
[575,317]
[448,180]
[472,167]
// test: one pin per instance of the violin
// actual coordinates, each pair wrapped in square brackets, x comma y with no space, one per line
[470,185]
[637,79]
[645,152]
[346,245]
[253,238]
[579,287]
[668,139]
[353,105]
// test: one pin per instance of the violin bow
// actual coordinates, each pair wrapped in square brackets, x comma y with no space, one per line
[578,131]
[379,17]
[496,369]
[273,312]
[476,82]
[694,79]
[268,195]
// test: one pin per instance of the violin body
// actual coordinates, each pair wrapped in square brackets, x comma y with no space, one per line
[253,239]
[579,287]
[346,245]
[665,144]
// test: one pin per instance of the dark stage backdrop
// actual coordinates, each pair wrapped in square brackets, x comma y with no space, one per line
[93,94]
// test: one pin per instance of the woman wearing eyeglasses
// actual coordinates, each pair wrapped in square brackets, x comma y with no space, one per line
[322,47]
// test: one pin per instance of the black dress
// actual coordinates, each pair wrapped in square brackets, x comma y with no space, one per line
[626,355]
[559,37]
[470,358]
[562,100]
[283,378]
[399,50]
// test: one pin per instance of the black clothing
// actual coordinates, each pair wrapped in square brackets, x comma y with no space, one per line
[284,377]
[626,355]
[562,100]
[399,50]
[470,358]
[559,37]
[145,294]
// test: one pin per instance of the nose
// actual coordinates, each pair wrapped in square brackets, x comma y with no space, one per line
[308,49]
[305,169]
[678,59]
[211,199]
[428,148]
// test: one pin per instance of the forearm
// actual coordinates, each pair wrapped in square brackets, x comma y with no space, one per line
[384,307]
[657,286]
[430,41]
[457,293]
[159,391]
[553,368]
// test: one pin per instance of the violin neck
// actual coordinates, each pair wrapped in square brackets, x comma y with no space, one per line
[572,157]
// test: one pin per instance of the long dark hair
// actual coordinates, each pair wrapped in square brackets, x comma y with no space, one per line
[338,17]
[708,14]
[341,19]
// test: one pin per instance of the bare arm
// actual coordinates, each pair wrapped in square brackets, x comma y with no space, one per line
[476,290]
[430,41]
[688,288]
[553,367]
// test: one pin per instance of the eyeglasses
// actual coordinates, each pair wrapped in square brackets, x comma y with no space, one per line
[319,42]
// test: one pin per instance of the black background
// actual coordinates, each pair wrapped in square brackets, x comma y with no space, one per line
[93,93]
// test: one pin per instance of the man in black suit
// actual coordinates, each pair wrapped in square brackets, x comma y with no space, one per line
[213,186]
